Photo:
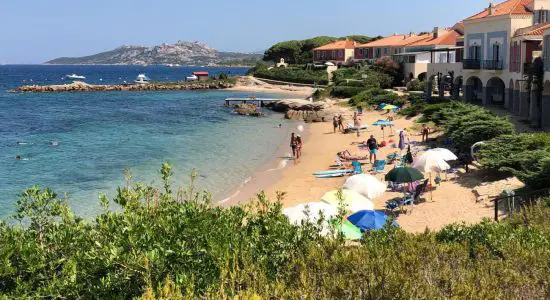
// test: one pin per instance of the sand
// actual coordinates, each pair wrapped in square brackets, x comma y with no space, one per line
[451,202]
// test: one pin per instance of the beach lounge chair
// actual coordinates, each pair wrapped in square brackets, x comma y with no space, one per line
[409,199]
[379,166]
[356,167]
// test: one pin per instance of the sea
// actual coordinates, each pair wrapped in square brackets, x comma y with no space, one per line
[80,144]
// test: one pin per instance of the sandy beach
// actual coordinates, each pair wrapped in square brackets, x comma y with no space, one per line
[453,201]
[253,85]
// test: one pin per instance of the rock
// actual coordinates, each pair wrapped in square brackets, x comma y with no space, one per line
[296,104]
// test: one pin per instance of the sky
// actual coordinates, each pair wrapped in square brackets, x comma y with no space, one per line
[34,31]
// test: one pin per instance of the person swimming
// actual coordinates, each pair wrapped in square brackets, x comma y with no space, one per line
[53,143]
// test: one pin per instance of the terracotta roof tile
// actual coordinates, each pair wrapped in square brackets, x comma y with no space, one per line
[344,44]
[448,37]
[537,29]
[395,41]
[510,7]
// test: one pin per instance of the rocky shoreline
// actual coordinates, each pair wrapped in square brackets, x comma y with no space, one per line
[79,86]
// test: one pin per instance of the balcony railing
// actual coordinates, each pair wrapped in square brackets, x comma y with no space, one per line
[493,64]
[471,64]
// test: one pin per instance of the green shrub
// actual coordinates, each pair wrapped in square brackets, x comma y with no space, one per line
[346,91]
[367,96]
[416,85]
[296,75]
[164,244]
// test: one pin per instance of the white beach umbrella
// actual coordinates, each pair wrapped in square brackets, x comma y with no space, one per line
[445,154]
[430,161]
[328,63]
[297,214]
[367,185]
[352,200]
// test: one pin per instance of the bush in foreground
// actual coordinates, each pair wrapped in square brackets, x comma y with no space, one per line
[165,244]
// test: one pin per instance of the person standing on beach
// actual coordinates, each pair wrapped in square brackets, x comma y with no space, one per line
[341,123]
[373,147]
[425,132]
[298,146]
[293,144]
[356,123]
[402,136]
[335,123]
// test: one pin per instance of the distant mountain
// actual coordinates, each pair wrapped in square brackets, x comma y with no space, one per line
[182,52]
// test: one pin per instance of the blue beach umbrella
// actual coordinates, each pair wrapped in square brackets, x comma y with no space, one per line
[383,123]
[369,220]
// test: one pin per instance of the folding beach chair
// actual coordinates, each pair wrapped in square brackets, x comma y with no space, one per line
[356,167]
[379,166]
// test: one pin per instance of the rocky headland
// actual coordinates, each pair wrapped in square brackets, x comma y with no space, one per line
[308,111]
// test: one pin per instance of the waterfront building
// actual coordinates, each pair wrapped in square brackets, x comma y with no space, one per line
[339,53]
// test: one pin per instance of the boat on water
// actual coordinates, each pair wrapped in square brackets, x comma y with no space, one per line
[74,76]
[191,78]
[142,79]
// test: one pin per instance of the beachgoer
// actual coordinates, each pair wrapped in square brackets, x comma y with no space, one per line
[356,123]
[465,160]
[425,132]
[298,146]
[408,158]
[402,136]
[293,144]
[341,123]
[373,147]
[335,123]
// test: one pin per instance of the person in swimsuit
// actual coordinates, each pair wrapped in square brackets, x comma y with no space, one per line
[335,123]
[356,123]
[298,146]
[341,123]
[293,144]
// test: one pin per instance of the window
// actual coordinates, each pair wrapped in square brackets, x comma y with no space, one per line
[496,52]
[367,52]
[385,51]
[333,54]
[378,52]
[474,52]
[360,52]
[541,16]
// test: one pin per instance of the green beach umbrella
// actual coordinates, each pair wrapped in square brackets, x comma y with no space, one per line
[350,231]
[403,175]
[389,107]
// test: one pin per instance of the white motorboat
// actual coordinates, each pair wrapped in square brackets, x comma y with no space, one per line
[191,78]
[74,76]
[142,79]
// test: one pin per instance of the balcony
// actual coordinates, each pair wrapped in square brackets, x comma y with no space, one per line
[493,64]
[515,66]
[471,64]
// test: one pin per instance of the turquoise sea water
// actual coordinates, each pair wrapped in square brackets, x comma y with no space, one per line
[96,136]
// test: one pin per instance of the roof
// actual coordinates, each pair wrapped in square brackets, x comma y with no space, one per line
[344,44]
[447,37]
[534,30]
[200,73]
[396,40]
[510,7]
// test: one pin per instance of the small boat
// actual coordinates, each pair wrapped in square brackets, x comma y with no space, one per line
[333,172]
[74,76]
[191,78]
[141,79]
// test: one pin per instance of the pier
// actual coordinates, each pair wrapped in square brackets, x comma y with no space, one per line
[258,101]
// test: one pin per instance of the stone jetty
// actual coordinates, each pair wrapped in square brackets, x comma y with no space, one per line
[79,86]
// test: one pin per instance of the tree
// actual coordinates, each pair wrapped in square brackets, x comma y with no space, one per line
[289,50]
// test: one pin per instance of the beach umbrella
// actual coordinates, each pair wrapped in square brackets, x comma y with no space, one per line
[297,214]
[352,200]
[445,154]
[366,185]
[350,231]
[389,107]
[431,161]
[404,175]
[369,220]
[383,123]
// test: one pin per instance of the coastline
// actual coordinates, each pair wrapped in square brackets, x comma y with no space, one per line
[451,202]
